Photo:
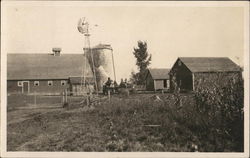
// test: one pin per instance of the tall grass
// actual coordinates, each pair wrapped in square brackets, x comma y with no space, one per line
[142,124]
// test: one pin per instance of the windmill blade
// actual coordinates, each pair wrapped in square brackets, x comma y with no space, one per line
[82,26]
[79,26]
[80,29]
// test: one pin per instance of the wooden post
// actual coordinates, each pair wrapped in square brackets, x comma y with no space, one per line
[63,97]
[35,99]
[113,64]
[66,96]
[154,86]
[109,95]
[193,81]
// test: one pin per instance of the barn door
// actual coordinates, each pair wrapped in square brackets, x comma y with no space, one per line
[25,87]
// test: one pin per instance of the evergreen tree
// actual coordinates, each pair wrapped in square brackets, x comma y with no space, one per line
[143,60]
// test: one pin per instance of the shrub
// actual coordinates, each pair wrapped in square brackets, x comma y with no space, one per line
[219,106]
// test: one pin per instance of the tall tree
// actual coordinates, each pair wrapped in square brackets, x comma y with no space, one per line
[143,60]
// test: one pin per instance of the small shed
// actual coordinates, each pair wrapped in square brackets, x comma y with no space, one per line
[81,85]
[157,79]
[189,72]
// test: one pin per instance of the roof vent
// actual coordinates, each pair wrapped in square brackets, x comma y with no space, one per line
[56,51]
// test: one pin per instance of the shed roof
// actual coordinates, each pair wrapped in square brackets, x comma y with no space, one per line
[45,66]
[210,64]
[159,73]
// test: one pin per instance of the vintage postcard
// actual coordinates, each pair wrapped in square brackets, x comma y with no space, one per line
[124,79]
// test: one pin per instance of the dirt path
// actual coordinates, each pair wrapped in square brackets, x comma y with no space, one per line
[23,113]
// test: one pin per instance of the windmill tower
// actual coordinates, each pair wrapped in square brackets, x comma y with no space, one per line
[83,28]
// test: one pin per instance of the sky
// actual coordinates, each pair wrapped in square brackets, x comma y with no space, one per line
[170,31]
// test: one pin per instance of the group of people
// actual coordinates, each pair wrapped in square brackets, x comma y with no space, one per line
[113,86]
[110,83]
[124,84]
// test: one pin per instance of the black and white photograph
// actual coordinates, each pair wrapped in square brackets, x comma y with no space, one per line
[133,79]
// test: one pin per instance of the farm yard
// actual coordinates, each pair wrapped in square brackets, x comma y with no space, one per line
[139,122]
[125,78]
[195,106]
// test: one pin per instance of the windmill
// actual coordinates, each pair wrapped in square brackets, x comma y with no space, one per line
[83,28]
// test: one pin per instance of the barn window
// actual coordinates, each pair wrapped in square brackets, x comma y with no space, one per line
[19,83]
[36,83]
[50,83]
[63,82]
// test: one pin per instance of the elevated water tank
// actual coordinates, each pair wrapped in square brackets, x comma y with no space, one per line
[103,63]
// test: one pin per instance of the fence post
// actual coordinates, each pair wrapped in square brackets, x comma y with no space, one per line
[109,95]
[66,96]
[63,97]
[35,99]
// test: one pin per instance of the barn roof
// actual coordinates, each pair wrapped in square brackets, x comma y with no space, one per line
[210,64]
[157,73]
[45,66]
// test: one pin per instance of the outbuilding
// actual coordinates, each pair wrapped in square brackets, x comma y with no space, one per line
[81,85]
[157,79]
[188,73]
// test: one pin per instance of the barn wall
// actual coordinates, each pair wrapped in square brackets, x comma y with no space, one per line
[43,87]
[149,83]
[159,84]
[171,81]
[206,79]
[181,76]
[13,88]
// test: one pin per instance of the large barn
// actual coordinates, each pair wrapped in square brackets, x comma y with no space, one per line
[157,79]
[44,73]
[189,72]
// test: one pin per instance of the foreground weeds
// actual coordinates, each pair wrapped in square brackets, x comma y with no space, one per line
[135,123]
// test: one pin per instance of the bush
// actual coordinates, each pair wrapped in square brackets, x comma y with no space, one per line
[219,105]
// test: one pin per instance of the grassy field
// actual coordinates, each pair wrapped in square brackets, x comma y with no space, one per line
[139,122]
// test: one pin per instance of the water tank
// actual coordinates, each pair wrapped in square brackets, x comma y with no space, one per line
[103,63]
